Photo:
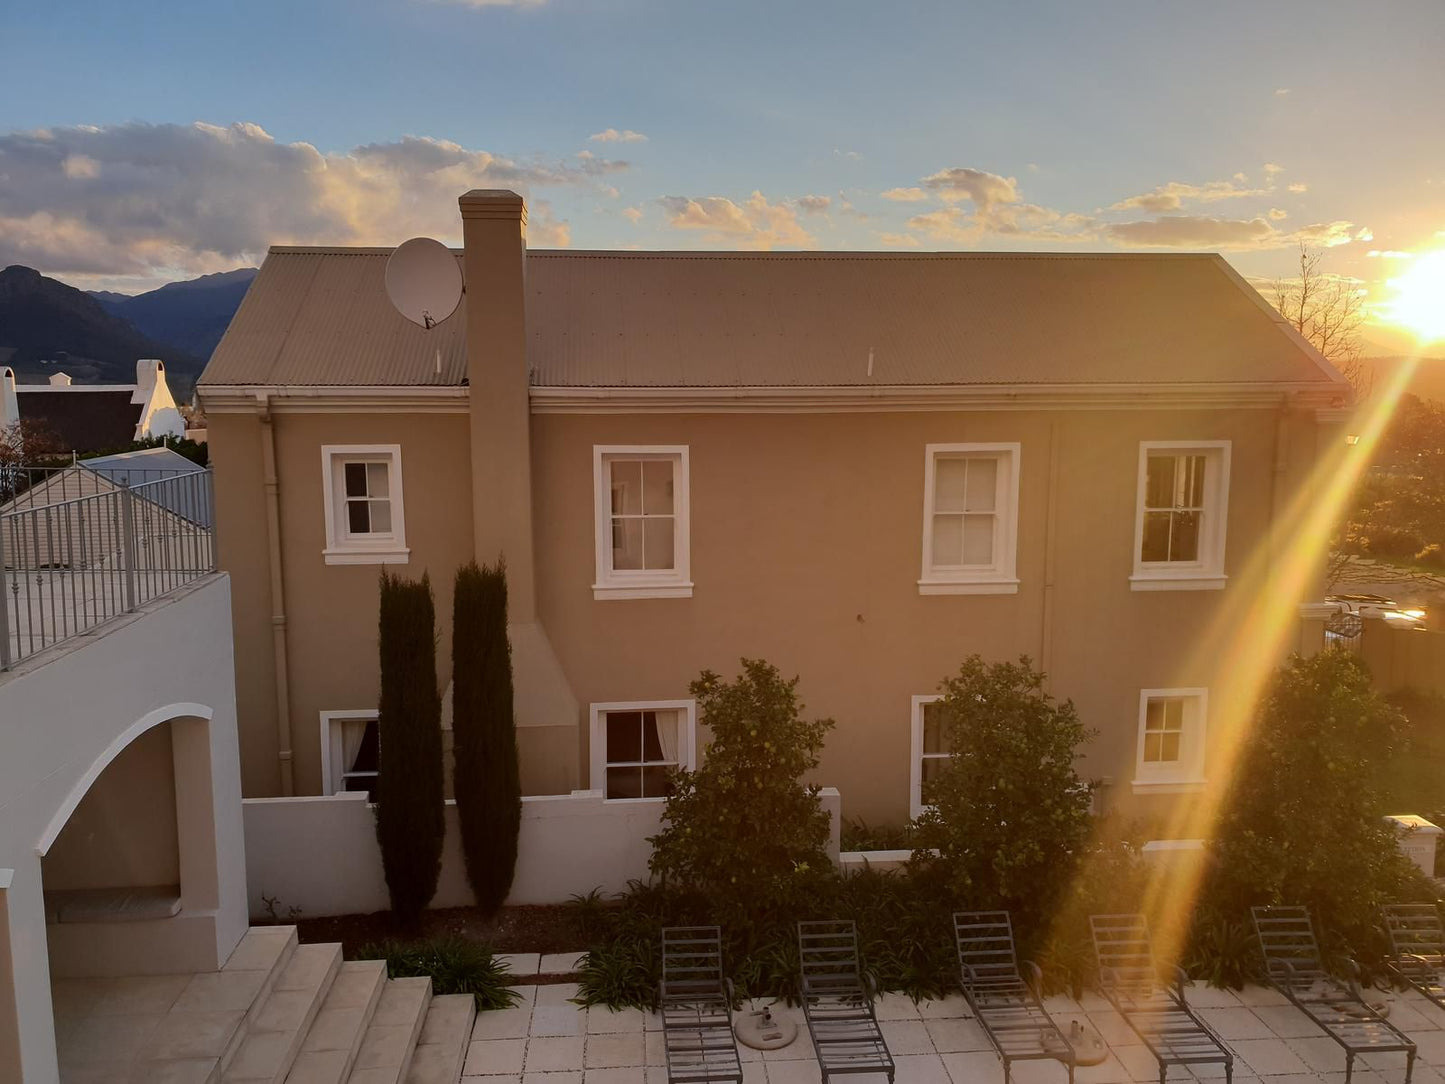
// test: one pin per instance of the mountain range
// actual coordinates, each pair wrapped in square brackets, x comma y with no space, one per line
[47,326]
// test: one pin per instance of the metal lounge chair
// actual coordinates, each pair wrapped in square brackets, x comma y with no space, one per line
[696,1001]
[1417,947]
[838,1001]
[1294,967]
[1157,1011]
[1007,1006]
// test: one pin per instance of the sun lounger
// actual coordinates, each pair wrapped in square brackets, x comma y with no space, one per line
[838,1002]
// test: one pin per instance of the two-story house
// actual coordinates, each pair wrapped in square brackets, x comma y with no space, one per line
[863,467]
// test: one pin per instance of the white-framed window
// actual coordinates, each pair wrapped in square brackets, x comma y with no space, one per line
[350,748]
[930,748]
[1181,515]
[365,518]
[641,513]
[636,745]
[1170,755]
[970,519]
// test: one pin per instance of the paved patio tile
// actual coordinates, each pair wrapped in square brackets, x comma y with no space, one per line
[1409,1016]
[1359,1077]
[557,1053]
[574,1077]
[526,995]
[792,1072]
[522,964]
[919,1069]
[655,1049]
[1260,995]
[489,1079]
[955,1036]
[613,1051]
[895,1007]
[1431,1045]
[140,995]
[1108,1071]
[604,1021]
[1269,1057]
[1319,1052]
[945,1008]
[490,1057]
[906,1037]
[557,993]
[1114,1029]
[560,963]
[755,1073]
[502,1024]
[1062,1003]
[558,1020]
[1286,1021]
[1236,1024]
[974,1067]
[1138,1062]
[1203,996]
[105,1040]
[632,1075]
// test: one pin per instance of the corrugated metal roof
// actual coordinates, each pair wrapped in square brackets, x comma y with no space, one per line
[690,319]
[321,317]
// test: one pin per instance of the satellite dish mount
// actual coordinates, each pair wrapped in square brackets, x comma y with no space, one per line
[424,281]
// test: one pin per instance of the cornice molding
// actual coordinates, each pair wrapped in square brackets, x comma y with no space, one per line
[256,399]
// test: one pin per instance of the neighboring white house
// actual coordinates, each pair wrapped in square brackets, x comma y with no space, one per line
[95,417]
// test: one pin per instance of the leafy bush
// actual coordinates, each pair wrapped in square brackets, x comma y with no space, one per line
[1304,820]
[1009,817]
[409,792]
[743,830]
[859,835]
[485,774]
[454,964]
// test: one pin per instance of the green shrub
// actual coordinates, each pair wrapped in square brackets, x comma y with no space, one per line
[859,835]
[409,793]
[485,774]
[454,964]
[1008,818]
[743,830]
[1304,819]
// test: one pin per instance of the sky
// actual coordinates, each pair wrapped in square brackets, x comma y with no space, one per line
[149,141]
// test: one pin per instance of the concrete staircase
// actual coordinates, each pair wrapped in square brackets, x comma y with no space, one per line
[283,1013]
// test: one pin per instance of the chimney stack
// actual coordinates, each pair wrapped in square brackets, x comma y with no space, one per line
[9,405]
[494,231]
[60,380]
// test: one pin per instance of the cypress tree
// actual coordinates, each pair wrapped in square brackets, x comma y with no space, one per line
[410,825]
[485,776]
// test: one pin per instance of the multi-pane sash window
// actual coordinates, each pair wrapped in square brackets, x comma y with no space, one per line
[642,522]
[365,522]
[1163,729]
[1171,739]
[1173,507]
[931,748]
[351,752]
[636,747]
[368,498]
[970,518]
[1183,504]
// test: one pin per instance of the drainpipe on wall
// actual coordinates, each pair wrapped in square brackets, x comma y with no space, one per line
[278,598]
[1046,633]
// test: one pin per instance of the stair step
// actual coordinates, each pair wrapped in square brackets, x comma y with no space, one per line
[277,1031]
[445,1033]
[330,1047]
[390,1039]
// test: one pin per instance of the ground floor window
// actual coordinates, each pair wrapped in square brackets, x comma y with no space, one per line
[931,748]
[637,745]
[350,747]
[1171,739]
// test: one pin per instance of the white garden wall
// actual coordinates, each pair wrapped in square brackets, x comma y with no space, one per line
[319,855]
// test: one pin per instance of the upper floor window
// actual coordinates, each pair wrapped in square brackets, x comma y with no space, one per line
[636,746]
[641,511]
[970,519]
[1171,739]
[1181,514]
[365,522]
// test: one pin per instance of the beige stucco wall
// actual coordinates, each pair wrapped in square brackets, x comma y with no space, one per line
[805,550]
[330,610]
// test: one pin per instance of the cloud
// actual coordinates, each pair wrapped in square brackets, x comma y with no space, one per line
[814,205]
[632,214]
[853,156]
[612,135]
[163,200]
[1271,168]
[755,223]
[1173,196]
[904,195]
[985,189]
[1297,188]
[1280,92]
[898,240]
[1276,214]
[1233,234]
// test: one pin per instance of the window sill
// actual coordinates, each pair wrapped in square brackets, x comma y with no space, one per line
[631,801]
[1196,581]
[348,556]
[1168,786]
[604,591]
[968,587]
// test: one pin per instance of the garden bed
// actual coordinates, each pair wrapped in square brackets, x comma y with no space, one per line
[555,928]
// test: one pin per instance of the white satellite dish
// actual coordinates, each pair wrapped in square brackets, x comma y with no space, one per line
[424,281]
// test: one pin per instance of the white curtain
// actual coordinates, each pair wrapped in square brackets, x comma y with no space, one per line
[664,725]
[351,733]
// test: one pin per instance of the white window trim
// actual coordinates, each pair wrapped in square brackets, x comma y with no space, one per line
[1188,778]
[1206,574]
[327,718]
[385,550]
[915,756]
[597,741]
[1003,578]
[673,583]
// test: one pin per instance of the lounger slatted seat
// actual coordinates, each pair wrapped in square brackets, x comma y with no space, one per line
[1007,1007]
[838,1002]
[696,1002]
[1158,1012]
[1417,947]
[1295,968]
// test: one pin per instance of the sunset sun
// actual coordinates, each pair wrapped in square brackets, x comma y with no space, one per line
[1417,301]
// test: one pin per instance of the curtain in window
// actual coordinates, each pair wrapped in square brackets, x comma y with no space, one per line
[665,726]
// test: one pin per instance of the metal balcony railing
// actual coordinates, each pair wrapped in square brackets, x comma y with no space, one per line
[80,547]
